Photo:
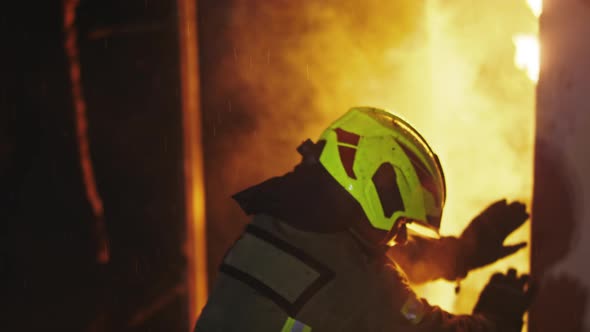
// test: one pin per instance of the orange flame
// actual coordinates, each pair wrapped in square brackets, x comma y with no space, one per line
[536,6]
[527,56]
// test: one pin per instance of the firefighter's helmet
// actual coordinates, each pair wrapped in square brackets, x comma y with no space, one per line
[387,167]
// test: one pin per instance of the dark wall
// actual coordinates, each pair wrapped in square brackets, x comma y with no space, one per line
[50,277]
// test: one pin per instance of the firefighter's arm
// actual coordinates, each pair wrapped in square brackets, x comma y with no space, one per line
[480,244]
[425,259]
[405,309]
[500,308]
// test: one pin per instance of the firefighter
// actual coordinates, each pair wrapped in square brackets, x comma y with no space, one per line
[328,247]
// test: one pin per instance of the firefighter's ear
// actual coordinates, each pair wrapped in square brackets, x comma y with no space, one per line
[310,151]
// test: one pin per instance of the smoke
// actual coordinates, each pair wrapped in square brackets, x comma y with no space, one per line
[445,66]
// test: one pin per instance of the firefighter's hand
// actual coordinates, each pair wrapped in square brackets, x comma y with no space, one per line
[483,239]
[505,299]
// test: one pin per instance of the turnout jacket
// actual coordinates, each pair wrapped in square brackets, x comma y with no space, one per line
[297,267]
[278,278]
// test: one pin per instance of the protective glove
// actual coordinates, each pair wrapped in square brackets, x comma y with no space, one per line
[483,239]
[504,300]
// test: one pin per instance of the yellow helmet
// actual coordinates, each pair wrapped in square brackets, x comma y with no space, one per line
[387,167]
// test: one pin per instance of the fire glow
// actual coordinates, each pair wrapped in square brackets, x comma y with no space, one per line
[471,79]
